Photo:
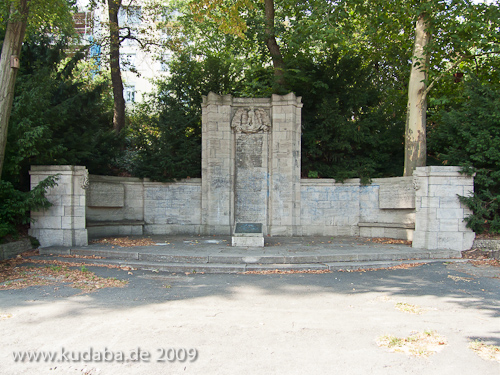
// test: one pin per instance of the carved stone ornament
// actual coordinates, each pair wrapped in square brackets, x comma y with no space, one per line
[85,180]
[416,184]
[251,120]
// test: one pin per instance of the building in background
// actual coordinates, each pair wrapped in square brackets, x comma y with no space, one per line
[141,57]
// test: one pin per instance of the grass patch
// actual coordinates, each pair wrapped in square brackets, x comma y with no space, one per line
[488,352]
[418,344]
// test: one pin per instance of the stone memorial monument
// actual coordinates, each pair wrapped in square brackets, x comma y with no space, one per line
[251,165]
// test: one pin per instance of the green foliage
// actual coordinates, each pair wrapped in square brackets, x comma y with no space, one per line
[469,135]
[15,205]
[52,16]
[57,118]
[347,130]
[165,132]
[167,145]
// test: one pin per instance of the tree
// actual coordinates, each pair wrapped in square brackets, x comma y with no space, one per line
[9,64]
[19,16]
[445,34]
[415,130]
[234,23]
[118,30]
[272,45]
[62,113]
[114,64]
[461,31]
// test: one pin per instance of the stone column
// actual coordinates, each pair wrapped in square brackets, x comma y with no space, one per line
[284,199]
[217,167]
[439,216]
[63,224]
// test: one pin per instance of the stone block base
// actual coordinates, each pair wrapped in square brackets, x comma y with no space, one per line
[248,240]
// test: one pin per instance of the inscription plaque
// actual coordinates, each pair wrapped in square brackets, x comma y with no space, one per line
[251,178]
[248,228]
[397,195]
[102,194]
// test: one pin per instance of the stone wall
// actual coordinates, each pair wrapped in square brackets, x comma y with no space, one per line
[424,208]
[328,208]
[171,208]
[13,249]
[333,208]
[142,207]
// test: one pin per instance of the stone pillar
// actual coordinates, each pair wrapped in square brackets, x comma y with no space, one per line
[284,192]
[63,224]
[217,167]
[439,216]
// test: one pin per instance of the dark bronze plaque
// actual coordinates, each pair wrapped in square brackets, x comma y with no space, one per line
[248,228]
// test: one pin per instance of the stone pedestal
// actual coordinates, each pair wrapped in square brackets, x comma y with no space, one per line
[248,234]
[439,216]
[63,224]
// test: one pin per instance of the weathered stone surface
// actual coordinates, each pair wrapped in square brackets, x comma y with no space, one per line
[251,178]
[63,224]
[103,194]
[247,240]
[439,213]
[397,195]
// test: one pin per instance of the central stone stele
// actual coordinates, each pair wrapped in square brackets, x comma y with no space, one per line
[251,167]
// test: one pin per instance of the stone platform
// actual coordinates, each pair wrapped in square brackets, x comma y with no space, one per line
[216,255]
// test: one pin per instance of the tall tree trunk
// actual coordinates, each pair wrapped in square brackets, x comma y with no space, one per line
[14,35]
[415,132]
[114,62]
[272,45]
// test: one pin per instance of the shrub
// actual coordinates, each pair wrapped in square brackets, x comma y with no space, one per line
[15,204]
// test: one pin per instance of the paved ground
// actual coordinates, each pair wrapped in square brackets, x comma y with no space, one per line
[256,324]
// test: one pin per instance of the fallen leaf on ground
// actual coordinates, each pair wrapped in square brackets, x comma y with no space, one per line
[475,254]
[49,272]
[285,272]
[488,352]
[125,241]
[409,308]
[385,240]
[403,266]
[486,262]
[418,344]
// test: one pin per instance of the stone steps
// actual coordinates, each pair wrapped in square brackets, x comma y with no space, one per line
[179,267]
[251,260]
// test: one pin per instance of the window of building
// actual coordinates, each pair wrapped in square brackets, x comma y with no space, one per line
[129,93]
